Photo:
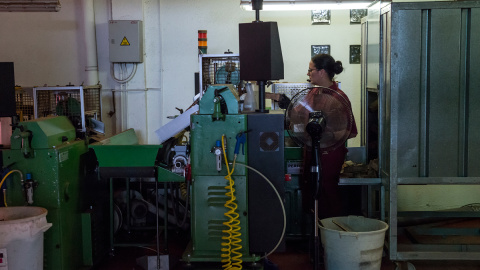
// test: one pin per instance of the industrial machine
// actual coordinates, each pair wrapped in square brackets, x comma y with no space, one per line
[236,217]
[136,201]
[237,160]
[48,166]
[52,169]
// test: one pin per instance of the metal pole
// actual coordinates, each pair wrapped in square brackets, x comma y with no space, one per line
[261,97]
[257,5]
[165,219]
[316,171]
[127,187]
[158,235]
[111,217]
[316,256]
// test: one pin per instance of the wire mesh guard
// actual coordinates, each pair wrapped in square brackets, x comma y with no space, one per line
[93,105]
[334,109]
[76,102]
[24,103]
[219,69]
[289,89]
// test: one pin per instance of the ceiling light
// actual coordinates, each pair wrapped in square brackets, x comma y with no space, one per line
[29,6]
[308,4]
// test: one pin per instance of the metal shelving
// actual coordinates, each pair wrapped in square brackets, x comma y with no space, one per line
[429,65]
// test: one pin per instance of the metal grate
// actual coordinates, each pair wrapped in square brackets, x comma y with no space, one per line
[75,102]
[24,103]
[219,69]
[289,89]
[92,98]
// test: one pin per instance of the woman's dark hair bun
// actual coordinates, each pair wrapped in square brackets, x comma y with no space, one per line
[338,67]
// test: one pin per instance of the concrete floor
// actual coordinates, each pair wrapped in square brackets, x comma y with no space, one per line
[295,257]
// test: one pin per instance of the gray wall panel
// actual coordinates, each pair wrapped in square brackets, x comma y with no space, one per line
[474,95]
[405,75]
[444,92]
[373,40]
[436,122]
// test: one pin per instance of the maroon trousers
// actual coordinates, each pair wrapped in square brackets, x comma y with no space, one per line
[330,203]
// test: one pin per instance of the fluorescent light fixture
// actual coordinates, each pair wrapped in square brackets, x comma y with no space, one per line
[308,4]
[29,6]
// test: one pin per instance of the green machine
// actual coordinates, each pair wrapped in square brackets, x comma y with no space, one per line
[210,186]
[298,222]
[122,161]
[54,165]
[226,224]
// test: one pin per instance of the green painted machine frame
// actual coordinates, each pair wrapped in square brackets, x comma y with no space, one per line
[124,161]
[121,156]
[47,149]
[209,185]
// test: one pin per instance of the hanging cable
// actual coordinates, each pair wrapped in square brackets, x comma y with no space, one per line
[281,204]
[176,203]
[10,172]
[123,80]
[232,257]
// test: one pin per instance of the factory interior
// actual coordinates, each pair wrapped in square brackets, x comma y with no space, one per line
[183,134]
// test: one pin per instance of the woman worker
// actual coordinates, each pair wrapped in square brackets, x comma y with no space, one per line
[321,70]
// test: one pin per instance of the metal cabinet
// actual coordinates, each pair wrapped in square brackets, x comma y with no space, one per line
[428,97]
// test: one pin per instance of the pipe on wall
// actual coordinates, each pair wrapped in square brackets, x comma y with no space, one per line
[88,29]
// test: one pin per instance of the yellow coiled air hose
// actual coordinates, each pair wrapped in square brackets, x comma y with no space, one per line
[3,180]
[183,190]
[232,257]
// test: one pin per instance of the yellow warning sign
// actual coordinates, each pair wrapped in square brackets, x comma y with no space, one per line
[125,42]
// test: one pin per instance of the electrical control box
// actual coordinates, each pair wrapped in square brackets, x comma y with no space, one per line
[126,41]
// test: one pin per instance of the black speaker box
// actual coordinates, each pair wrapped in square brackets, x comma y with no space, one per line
[260,52]
[7,90]
[265,141]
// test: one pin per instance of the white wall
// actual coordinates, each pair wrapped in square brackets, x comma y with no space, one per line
[181,20]
[49,48]
[46,47]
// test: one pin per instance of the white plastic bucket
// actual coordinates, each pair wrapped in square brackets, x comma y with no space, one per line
[21,237]
[360,247]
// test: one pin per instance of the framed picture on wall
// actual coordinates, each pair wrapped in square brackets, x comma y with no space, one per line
[356,15]
[355,53]
[321,16]
[320,49]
